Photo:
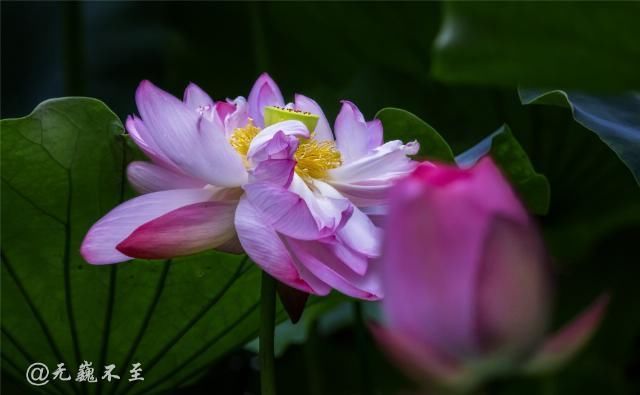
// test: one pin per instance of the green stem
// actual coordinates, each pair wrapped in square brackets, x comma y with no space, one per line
[267,327]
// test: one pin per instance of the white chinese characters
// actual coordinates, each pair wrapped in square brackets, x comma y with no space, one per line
[38,373]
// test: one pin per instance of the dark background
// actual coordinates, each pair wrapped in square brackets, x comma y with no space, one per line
[377,55]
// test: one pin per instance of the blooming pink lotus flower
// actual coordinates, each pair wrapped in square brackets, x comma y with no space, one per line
[466,282]
[256,175]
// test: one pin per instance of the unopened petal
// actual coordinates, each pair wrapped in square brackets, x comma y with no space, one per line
[184,231]
[435,231]
[99,245]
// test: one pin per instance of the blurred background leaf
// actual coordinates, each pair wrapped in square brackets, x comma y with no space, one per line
[508,154]
[590,45]
[615,119]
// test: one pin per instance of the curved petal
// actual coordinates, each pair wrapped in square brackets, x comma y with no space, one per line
[285,211]
[387,162]
[330,209]
[226,167]
[323,130]
[374,128]
[191,142]
[376,213]
[288,129]
[278,172]
[352,134]
[367,181]
[146,177]
[184,231]
[565,343]
[264,93]
[99,245]
[365,193]
[360,234]
[356,261]
[239,118]
[263,245]
[144,140]
[278,146]
[195,98]
[221,111]
[166,119]
[318,258]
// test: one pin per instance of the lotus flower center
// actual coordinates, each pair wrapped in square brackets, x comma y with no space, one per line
[241,137]
[314,158]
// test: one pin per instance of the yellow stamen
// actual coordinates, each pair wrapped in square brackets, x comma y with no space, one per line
[241,137]
[315,158]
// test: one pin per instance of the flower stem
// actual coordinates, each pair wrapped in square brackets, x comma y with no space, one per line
[267,326]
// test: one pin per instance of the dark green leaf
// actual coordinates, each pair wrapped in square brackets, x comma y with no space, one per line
[402,125]
[615,119]
[591,45]
[62,169]
[503,147]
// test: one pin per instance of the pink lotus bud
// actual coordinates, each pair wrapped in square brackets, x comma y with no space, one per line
[465,277]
